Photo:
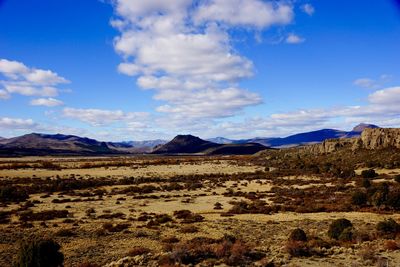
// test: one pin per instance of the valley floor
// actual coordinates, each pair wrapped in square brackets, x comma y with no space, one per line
[162,211]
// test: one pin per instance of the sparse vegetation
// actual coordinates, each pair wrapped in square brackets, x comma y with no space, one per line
[185,215]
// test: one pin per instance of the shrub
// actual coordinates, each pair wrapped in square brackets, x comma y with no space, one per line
[397,178]
[13,194]
[366,183]
[298,235]
[337,227]
[218,206]
[346,235]
[163,218]
[39,253]
[359,198]
[297,249]
[391,245]
[189,229]
[187,216]
[115,227]
[389,226]
[370,173]
[43,215]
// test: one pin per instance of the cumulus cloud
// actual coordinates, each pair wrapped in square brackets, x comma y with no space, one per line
[183,51]
[100,117]
[386,97]
[47,102]
[207,103]
[20,79]
[308,9]
[252,13]
[294,39]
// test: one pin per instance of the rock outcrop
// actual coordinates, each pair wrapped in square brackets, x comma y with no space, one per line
[380,138]
[371,138]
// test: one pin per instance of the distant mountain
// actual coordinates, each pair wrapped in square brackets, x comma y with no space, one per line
[189,144]
[59,144]
[307,137]
[136,146]
[184,144]
[362,126]
[45,144]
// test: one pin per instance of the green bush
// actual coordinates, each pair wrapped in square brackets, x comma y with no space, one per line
[397,178]
[298,235]
[337,227]
[39,253]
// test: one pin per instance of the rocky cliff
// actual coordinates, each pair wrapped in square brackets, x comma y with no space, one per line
[377,138]
[380,138]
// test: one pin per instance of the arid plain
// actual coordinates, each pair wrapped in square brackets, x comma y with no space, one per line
[206,210]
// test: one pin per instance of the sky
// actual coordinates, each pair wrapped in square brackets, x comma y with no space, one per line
[119,70]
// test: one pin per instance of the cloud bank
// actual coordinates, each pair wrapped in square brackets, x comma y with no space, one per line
[183,50]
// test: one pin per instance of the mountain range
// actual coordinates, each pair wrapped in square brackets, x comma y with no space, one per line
[299,139]
[59,144]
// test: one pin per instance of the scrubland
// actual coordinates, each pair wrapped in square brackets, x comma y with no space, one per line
[277,208]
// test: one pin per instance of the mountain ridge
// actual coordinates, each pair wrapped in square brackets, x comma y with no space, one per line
[60,144]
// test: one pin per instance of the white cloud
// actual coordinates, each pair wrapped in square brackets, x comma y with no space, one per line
[386,97]
[252,13]
[372,83]
[48,102]
[27,89]
[308,9]
[129,69]
[19,79]
[44,77]
[207,103]
[183,50]
[100,117]
[12,68]
[13,123]
[294,39]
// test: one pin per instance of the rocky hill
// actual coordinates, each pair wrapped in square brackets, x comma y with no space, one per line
[380,138]
[371,138]
[189,144]
[183,144]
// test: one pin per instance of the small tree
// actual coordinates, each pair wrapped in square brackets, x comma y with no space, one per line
[40,253]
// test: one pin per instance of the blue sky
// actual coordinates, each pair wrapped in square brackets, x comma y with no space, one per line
[134,70]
